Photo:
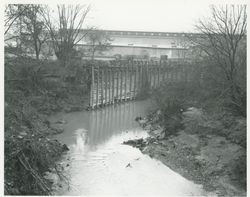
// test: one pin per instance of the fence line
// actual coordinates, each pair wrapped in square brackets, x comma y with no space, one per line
[124,81]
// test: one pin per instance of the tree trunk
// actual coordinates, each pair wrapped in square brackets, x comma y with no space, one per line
[37,54]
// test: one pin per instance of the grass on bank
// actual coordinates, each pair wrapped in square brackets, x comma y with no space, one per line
[33,90]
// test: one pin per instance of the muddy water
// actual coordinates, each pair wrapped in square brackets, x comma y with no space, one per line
[98,163]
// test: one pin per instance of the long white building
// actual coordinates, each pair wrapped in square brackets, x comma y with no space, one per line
[138,44]
[141,44]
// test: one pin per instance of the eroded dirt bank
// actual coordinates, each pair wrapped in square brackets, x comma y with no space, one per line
[35,89]
[207,150]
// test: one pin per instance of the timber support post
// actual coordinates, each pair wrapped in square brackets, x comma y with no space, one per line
[126,80]
[92,88]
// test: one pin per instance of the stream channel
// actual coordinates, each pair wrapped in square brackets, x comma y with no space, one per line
[99,164]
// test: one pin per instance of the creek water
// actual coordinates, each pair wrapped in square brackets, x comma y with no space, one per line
[99,164]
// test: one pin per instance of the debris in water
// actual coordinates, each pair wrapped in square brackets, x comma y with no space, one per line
[65,147]
[129,165]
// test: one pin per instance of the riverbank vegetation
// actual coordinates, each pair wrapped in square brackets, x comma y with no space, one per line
[199,128]
[36,86]
[35,89]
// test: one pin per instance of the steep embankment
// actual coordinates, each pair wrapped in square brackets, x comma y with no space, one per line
[34,90]
[208,150]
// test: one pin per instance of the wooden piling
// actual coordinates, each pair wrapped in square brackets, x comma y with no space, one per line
[141,74]
[186,74]
[121,83]
[158,73]
[110,86]
[135,78]
[117,84]
[166,72]
[113,84]
[97,87]
[130,81]
[155,74]
[140,77]
[102,82]
[106,85]
[150,75]
[182,74]
[171,73]
[163,70]
[92,86]
[176,73]
[179,73]
[146,73]
[125,82]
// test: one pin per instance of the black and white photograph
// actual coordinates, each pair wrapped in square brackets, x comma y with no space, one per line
[124,98]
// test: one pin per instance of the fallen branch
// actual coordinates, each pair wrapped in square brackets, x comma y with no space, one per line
[41,183]
[62,177]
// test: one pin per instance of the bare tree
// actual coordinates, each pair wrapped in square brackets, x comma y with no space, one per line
[35,31]
[67,32]
[97,42]
[13,13]
[222,40]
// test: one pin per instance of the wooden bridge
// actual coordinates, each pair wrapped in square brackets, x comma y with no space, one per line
[124,81]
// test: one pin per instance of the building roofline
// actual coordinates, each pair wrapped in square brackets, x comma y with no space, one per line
[109,30]
[141,47]
[144,33]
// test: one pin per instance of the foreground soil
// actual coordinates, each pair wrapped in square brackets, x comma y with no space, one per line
[209,151]
[33,91]
[29,150]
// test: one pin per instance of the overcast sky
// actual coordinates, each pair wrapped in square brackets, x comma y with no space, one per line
[151,15]
[142,15]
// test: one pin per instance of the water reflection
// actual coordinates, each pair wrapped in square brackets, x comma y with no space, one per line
[80,139]
[100,125]
[97,161]
[112,121]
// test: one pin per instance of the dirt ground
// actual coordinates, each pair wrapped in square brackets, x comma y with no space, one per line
[207,151]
